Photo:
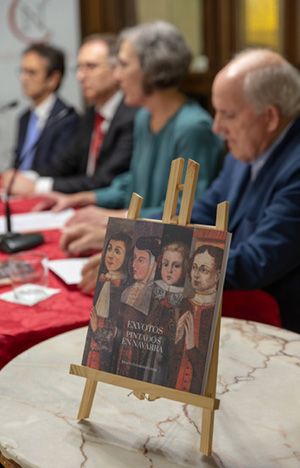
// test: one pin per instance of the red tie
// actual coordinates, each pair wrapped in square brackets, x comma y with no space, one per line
[96,143]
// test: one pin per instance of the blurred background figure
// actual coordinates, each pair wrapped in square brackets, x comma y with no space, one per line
[102,147]
[48,126]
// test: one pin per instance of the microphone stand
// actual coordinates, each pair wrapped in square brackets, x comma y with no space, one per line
[14,242]
[11,242]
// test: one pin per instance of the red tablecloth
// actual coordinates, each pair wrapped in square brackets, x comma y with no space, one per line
[21,326]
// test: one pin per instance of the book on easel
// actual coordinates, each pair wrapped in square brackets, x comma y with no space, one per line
[156,315]
[156,303]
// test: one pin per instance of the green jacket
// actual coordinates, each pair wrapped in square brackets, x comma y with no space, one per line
[188,134]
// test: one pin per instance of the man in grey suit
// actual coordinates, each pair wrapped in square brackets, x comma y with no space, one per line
[78,169]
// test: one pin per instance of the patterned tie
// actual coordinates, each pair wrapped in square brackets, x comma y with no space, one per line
[29,148]
[96,143]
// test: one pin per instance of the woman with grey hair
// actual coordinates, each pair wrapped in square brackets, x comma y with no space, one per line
[153,60]
[163,54]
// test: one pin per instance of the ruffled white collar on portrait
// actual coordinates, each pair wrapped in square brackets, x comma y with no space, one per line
[208,299]
[172,288]
[103,301]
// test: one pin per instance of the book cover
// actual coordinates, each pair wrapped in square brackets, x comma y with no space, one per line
[156,303]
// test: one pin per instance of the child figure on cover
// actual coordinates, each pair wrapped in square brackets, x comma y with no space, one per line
[193,327]
[103,338]
[164,314]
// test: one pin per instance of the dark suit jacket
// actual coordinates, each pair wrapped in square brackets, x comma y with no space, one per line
[265,222]
[69,172]
[54,138]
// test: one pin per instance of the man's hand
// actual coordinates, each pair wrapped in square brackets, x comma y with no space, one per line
[82,238]
[21,184]
[55,201]
[89,274]
[94,215]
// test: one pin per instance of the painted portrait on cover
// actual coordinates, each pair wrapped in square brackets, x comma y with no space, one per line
[156,303]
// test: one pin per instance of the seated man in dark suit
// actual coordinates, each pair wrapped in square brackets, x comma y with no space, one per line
[102,147]
[54,122]
[257,102]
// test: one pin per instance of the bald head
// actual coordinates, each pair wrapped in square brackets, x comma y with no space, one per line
[265,78]
[252,60]
[255,97]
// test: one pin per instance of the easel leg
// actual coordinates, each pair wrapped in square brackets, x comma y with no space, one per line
[207,430]
[87,399]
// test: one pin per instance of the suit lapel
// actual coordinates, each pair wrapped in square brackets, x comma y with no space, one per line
[256,196]
[23,129]
[253,202]
[239,181]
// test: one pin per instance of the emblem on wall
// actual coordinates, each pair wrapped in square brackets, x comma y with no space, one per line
[28,20]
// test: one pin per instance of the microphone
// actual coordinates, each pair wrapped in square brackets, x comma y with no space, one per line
[8,106]
[61,115]
[15,242]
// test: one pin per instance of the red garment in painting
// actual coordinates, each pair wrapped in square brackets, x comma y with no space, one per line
[190,372]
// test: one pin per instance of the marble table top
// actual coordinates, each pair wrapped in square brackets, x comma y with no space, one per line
[257,425]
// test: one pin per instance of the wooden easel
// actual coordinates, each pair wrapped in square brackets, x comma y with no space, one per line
[208,403]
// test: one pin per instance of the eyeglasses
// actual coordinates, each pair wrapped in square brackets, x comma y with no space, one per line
[29,72]
[90,67]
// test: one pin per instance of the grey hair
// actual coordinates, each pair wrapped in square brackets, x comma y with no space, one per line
[276,84]
[163,53]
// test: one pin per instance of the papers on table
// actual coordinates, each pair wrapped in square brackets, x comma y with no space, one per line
[37,221]
[69,269]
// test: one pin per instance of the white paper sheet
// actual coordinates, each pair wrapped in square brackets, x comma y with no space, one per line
[38,221]
[69,269]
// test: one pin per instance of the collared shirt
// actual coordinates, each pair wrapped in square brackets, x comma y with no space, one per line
[44,109]
[258,163]
[109,109]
